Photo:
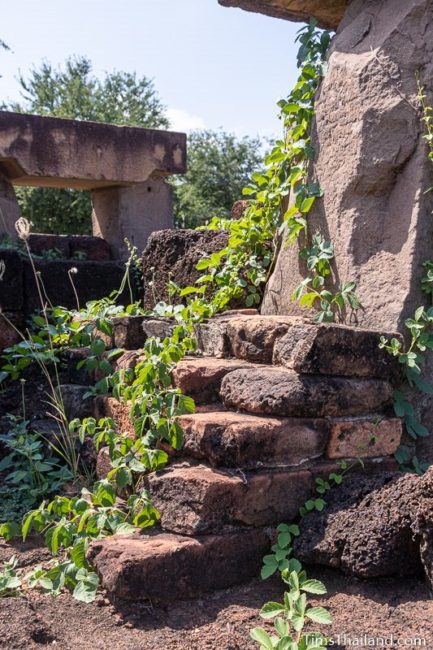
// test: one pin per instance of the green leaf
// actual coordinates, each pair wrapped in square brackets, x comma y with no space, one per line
[271,609]
[258,634]
[268,570]
[314,587]
[319,615]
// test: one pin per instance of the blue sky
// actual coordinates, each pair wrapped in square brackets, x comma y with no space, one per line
[212,66]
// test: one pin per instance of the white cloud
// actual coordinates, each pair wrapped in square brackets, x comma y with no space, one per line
[181,120]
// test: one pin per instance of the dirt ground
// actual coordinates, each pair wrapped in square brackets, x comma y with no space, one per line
[222,621]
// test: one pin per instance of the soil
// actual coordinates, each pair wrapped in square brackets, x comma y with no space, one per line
[377,608]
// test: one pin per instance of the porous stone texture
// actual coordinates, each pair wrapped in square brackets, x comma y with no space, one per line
[74,403]
[273,391]
[201,378]
[330,349]
[212,337]
[11,281]
[240,440]
[423,525]
[70,246]
[173,255]
[93,280]
[110,407]
[163,567]
[371,162]
[364,437]
[195,499]
[328,12]
[9,324]
[253,337]
[366,528]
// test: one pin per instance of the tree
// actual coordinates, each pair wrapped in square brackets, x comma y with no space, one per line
[219,166]
[74,92]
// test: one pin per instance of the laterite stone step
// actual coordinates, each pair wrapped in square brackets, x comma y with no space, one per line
[232,439]
[196,499]
[201,377]
[298,344]
[274,391]
[226,438]
[163,567]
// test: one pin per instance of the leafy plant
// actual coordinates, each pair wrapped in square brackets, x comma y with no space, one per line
[10,583]
[30,473]
[292,615]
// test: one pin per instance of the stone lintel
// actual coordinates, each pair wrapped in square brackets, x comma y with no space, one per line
[329,13]
[55,152]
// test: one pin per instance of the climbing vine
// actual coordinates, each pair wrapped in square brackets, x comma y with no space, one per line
[281,197]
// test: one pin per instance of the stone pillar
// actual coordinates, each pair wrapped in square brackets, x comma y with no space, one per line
[9,209]
[131,212]
[371,161]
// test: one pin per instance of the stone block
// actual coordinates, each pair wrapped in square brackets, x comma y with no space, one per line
[330,349]
[229,439]
[132,212]
[90,248]
[11,281]
[253,337]
[201,378]
[74,403]
[329,13]
[195,499]
[364,437]
[128,332]
[93,280]
[212,336]
[41,244]
[272,391]
[160,328]
[10,322]
[173,255]
[55,152]
[119,412]
[162,567]
[9,208]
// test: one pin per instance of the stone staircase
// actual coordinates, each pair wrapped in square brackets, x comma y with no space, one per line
[279,401]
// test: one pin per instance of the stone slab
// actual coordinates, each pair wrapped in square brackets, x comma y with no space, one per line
[201,378]
[252,338]
[329,13]
[229,439]
[331,349]
[195,499]
[272,391]
[54,152]
[163,567]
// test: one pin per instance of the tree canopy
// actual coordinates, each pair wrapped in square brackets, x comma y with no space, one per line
[219,167]
[74,92]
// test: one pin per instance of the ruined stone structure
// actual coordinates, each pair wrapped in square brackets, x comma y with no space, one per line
[279,402]
[371,161]
[124,168]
